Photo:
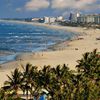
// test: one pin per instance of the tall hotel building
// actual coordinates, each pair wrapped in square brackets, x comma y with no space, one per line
[93,18]
[85,18]
[74,17]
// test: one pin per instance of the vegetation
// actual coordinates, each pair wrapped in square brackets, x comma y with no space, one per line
[60,82]
[76,24]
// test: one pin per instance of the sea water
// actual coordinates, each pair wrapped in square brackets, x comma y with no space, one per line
[18,38]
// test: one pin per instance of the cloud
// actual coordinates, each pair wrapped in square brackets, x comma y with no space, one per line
[61,4]
[35,5]
[72,4]
[82,4]
[66,6]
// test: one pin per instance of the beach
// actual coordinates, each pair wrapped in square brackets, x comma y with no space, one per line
[67,52]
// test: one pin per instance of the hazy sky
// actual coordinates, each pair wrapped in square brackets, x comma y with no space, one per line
[36,8]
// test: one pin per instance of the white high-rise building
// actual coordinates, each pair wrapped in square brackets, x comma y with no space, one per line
[92,18]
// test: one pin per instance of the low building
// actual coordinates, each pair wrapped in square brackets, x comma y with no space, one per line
[59,18]
[52,19]
[49,20]
[35,19]
[46,19]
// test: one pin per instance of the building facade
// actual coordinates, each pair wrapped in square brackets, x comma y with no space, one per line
[52,19]
[49,20]
[35,19]
[74,17]
[93,18]
[46,19]
[59,18]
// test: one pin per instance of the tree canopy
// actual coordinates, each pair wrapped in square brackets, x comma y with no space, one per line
[60,82]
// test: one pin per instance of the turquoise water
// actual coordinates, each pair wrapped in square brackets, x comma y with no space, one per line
[15,37]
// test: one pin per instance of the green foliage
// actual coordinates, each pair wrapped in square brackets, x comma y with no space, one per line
[89,71]
[2,94]
[60,82]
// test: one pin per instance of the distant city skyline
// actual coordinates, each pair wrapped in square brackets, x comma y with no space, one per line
[40,8]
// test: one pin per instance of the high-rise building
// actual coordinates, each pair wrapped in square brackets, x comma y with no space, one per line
[74,17]
[92,18]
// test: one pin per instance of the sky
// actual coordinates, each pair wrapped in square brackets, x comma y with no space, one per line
[40,8]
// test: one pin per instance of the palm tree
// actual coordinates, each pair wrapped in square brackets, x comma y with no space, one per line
[33,80]
[44,76]
[42,79]
[2,94]
[89,69]
[29,77]
[89,65]
[60,82]
[26,79]
[14,82]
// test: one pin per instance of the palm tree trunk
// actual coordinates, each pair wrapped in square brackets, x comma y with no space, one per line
[27,95]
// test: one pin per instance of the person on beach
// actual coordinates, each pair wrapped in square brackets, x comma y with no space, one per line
[43,96]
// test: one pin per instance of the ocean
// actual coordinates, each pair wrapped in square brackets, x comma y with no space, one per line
[19,38]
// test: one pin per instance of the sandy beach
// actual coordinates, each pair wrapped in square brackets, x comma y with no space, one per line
[64,53]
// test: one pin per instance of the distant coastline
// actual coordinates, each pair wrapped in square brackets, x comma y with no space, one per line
[67,28]
[55,27]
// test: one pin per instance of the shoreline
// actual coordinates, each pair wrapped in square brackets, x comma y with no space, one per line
[56,27]
[63,45]
[73,51]
[54,47]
